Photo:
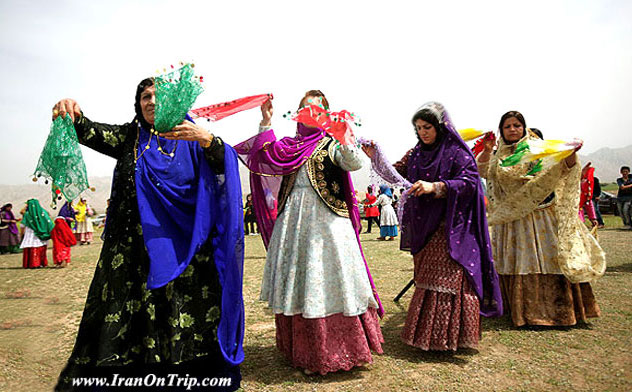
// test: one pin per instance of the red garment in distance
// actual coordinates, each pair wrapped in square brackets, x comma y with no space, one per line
[63,238]
[34,257]
[370,211]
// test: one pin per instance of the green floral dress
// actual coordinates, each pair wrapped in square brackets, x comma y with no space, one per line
[126,327]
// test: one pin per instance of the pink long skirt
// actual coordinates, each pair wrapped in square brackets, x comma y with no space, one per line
[329,344]
[444,311]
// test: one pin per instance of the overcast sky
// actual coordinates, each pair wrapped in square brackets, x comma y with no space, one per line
[566,65]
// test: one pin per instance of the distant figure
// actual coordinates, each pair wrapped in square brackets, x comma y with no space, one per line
[84,229]
[624,197]
[9,235]
[537,132]
[388,218]
[250,219]
[104,221]
[63,238]
[37,228]
[596,197]
[371,213]
[395,198]
[68,213]
[587,184]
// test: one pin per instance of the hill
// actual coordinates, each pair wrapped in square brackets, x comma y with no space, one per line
[607,162]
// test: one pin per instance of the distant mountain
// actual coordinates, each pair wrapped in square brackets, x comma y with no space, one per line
[607,162]
[19,194]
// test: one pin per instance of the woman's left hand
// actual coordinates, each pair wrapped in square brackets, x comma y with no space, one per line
[190,132]
[422,188]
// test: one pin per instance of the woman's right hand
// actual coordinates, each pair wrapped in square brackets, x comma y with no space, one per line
[421,188]
[267,110]
[489,143]
[69,106]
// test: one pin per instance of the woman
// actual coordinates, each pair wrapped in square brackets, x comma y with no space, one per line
[445,228]
[587,184]
[9,235]
[68,213]
[63,238]
[250,220]
[37,228]
[83,228]
[315,279]
[544,254]
[371,212]
[166,295]
[388,218]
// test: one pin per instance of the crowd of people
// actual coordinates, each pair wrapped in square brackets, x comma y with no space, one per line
[72,225]
[167,297]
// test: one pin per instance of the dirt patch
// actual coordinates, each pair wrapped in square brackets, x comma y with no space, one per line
[40,312]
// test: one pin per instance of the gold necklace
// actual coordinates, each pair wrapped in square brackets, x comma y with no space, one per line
[136,156]
[152,132]
[172,153]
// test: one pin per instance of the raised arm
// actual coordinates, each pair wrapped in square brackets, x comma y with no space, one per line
[104,138]
[346,156]
[482,161]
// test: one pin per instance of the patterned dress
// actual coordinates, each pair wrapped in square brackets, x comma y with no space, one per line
[316,282]
[125,327]
[444,312]
[535,234]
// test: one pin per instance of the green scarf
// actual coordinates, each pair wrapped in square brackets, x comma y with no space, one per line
[38,220]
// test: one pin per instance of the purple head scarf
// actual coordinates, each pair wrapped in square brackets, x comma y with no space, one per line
[269,159]
[67,211]
[463,210]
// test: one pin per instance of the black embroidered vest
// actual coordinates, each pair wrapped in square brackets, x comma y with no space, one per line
[324,175]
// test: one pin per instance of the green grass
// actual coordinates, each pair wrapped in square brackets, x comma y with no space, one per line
[40,312]
[611,187]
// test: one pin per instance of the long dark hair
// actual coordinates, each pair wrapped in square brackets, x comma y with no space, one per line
[428,116]
[519,117]
[148,82]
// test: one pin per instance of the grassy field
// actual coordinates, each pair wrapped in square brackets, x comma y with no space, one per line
[610,187]
[40,312]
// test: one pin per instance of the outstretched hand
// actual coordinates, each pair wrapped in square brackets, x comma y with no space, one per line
[67,106]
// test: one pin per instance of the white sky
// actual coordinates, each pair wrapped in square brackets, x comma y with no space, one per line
[566,65]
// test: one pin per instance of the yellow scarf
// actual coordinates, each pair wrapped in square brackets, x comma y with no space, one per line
[513,195]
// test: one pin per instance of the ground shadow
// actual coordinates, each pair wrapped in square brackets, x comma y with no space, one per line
[504,323]
[620,268]
[267,365]
[395,348]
